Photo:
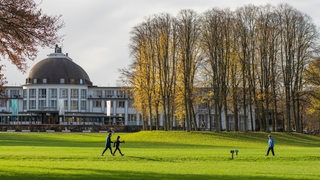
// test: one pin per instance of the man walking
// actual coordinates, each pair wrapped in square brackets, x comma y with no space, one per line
[108,144]
[270,145]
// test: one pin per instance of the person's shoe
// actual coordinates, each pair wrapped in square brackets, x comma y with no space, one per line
[113,154]
[122,154]
[102,155]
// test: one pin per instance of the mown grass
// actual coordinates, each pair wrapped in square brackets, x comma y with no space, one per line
[158,155]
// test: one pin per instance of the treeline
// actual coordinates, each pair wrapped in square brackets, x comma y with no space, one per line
[249,62]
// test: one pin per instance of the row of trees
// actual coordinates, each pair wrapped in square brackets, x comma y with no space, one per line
[250,61]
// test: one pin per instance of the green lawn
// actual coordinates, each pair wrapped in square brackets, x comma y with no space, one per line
[158,155]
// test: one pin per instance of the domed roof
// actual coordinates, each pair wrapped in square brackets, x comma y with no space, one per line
[58,68]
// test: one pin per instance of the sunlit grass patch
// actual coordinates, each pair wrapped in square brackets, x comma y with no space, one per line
[158,155]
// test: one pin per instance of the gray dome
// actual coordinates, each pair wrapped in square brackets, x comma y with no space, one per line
[58,68]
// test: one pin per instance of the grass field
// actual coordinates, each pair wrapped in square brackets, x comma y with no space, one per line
[158,155]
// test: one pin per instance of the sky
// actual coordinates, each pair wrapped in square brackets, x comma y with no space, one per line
[96,34]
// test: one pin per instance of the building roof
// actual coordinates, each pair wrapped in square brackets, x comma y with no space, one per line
[58,68]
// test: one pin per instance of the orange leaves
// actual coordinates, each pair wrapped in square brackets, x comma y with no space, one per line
[23,27]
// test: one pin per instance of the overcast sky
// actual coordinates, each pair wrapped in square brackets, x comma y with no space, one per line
[97,32]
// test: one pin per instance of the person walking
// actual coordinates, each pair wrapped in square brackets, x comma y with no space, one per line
[270,145]
[117,144]
[108,144]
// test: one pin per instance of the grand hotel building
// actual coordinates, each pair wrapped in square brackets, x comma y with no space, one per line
[59,92]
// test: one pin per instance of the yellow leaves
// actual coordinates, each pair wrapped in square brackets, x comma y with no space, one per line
[312,73]
[314,101]
[310,110]
[260,96]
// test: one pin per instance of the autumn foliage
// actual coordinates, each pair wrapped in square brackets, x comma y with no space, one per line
[242,69]
[23,28]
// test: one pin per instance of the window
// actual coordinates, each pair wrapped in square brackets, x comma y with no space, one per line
[96,103]
[99,93]
[109,93]
[203,121]
[121,104]
[83,93]
[53,104]
[35,81]
[32,104]
[24,93]
[130,103]
[63,93]
[132,117]
[74,93]
[74,105]
[213,117]
[28,81]
[231,122]
[42,104]
[2,103]
[24,105]
[83,105]
[53,93]
[81,81]
[14,93]
[32,93]
[72,81]
[65,104]
[62,81]
[121,93]
[42,93]
[44,81]
[203,106]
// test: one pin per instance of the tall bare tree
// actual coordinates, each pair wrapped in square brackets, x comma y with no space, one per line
[188,35]
[217,40]
[297,37]
[165,45]
[143,72]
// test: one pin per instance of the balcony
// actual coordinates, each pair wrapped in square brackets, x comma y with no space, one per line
[107,97]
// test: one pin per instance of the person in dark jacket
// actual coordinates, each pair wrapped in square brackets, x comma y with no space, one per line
[117,144]
[270,145]
[108,144]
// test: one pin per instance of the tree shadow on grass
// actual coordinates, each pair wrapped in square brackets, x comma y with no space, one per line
[143,158]
[289,139]
[38,141]
[77,173]
[297,139]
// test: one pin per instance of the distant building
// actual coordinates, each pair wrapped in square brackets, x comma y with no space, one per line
[59,92]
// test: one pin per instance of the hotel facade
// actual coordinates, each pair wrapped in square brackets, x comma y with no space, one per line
[59,93]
